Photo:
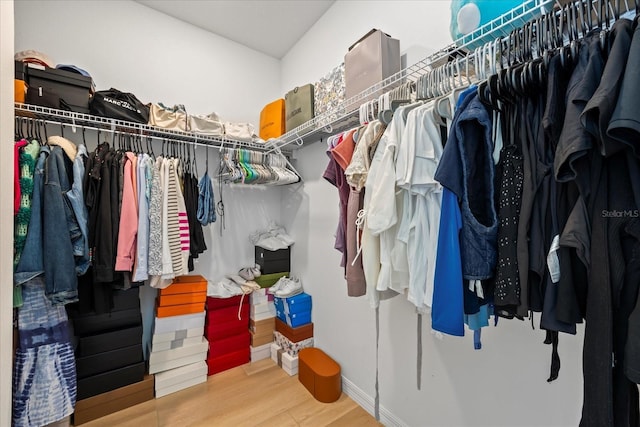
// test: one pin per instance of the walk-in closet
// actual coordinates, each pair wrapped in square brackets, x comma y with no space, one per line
[320,213]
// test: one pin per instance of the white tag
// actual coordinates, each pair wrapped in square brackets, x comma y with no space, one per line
[553,262]
[476,286]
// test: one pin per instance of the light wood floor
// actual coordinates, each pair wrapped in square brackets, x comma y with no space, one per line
[256,394]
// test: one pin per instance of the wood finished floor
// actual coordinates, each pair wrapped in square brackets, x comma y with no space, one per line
[256,394]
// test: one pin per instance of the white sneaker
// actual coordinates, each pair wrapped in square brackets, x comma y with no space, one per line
[291,288]
[278,285]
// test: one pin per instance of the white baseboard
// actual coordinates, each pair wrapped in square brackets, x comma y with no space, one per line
[367,402]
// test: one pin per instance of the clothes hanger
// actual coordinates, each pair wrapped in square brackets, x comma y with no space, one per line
[194,164]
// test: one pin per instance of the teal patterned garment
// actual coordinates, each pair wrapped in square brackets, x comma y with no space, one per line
[44,376]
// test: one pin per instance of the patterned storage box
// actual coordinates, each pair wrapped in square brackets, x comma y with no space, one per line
[328,94]
[292,348]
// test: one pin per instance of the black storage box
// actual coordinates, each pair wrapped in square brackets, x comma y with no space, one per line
[126,299]
[21,71]
[99,323]
[94,344]
[72,88]
[273,261]
[108,361]
[111,380]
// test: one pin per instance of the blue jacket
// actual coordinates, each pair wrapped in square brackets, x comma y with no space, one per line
[60,232]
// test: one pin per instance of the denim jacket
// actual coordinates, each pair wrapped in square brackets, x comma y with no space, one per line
[76,198]
[59,243]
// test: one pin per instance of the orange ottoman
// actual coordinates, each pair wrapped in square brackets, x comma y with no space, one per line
[320,374]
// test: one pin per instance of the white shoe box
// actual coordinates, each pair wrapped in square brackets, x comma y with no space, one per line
[289,363]
[274,351]
[181,386]
[176,335]
[258,296]
[261,352]
[263,307]
[178,375]
[263,311]
[258,299]
[290,371]
[170,345]
[169,359]
[165,325]
[262,292]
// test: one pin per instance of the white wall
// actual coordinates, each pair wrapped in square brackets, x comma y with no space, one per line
[504,384]
[131,47]
[421,26]
[6,210]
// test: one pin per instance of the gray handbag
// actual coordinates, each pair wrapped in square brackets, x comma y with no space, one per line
[298,106]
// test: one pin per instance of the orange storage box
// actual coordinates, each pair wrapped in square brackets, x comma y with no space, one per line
[177,299]
[178,310]
[185,285]
[320,374]
[272,123]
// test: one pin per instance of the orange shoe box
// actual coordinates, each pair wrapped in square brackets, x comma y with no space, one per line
[177,299]
[185,285]
[177,310]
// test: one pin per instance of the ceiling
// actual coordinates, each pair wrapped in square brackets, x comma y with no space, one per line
[268,26]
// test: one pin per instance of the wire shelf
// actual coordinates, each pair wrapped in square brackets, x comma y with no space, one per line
[346,114]
[105,124]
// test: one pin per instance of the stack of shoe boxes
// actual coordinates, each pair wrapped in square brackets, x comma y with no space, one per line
[109,360]
[294,330]
[178,349]
[109,345]
[273,265]
[262,324]
[227,329]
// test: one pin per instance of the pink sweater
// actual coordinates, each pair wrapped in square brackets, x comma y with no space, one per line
[128,217]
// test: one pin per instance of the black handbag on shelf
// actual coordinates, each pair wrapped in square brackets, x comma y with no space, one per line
[119,105]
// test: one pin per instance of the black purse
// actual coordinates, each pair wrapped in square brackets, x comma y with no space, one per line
[119,105]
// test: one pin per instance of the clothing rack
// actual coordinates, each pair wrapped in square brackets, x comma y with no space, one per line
[74,120]
[556,30]
[474,62]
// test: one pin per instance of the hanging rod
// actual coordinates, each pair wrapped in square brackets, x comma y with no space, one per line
[197,139]
[104,124]
[613,10]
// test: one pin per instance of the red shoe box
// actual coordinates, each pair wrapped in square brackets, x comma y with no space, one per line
[228,345]
[228,314]
[218,331]
[228,361]
[216,303]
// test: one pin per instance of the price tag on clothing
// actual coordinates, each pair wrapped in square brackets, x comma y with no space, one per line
[553,262]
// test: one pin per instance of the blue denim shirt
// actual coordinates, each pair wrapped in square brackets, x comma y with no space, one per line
[76,198]
[60,243]
[31,264]
[206,213]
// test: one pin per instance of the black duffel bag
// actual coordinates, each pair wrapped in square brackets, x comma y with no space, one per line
[119,105]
